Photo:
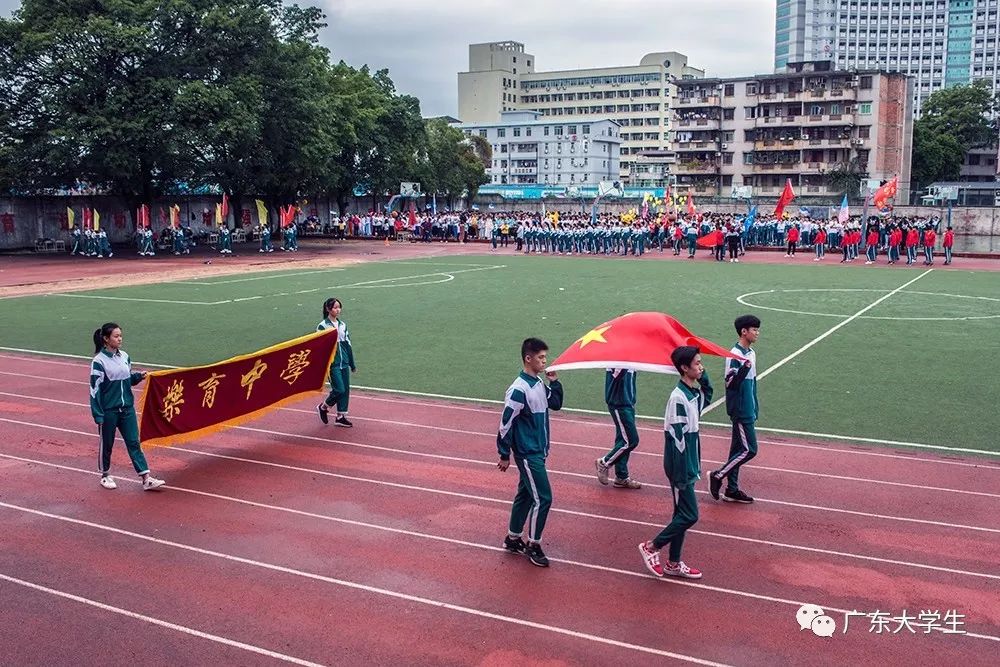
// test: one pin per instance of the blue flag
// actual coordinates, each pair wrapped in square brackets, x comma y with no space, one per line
[749,220]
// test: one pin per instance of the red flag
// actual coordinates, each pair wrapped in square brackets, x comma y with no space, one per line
[88,218]
[640,341]
[412,217]
[225,206]
[886,192]
[787,195]
[710,240]
[144,215]
[692,211]
[163,216]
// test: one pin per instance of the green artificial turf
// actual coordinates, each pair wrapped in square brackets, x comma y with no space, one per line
[911,380]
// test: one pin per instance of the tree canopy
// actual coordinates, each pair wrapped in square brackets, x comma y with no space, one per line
[140,97]
[952,121]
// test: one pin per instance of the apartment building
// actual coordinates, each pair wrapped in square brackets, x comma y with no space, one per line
[529,148]
[803,125]
[502,77]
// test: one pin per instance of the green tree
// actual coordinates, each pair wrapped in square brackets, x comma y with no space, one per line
[952,121]
[847,176]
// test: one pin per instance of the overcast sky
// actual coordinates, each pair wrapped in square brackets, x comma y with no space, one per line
[424,43]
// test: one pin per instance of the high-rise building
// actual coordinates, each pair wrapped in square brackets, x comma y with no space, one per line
[502,77]
[939,43]
[805,126]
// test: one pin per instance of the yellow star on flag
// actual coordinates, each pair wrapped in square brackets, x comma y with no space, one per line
[593,336]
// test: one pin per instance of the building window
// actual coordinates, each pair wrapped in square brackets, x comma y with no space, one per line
[866,83]
[752,88]
[864,132]
[571,129]
[586,129]
[729,90]
[502,132]
[728,114]
[517,131]
[865,108]
[482,133]
[527,131]
[545,131]
[559,130]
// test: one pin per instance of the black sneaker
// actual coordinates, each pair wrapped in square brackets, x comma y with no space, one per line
[536,555]
[736,496]
[714,484]
[343,421]
[324,413]
[515,545]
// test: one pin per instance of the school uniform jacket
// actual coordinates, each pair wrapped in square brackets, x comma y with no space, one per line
[682,445]
[344,357]
[524,424]
[111,382]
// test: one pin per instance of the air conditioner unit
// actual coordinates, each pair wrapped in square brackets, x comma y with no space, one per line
[725,146]
[858,142]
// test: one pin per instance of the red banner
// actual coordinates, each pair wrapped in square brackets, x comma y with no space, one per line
[8,222]
[185,403]
[120,219]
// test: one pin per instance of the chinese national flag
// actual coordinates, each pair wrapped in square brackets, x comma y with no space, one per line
[88,218]
[225,206]
[692,211]
[787,195]
[886,192]
[639,341]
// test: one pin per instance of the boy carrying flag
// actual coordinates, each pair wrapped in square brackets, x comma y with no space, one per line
[681,462]
[741,404]
[619,394]
[524,431]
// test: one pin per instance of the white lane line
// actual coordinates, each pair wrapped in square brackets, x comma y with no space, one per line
[159,622]
[468,399]
[411,487]
[567,473]
[781,362]
[344,583]
[410,533]
[565,443]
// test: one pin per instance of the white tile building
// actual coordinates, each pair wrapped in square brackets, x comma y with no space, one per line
[531,149]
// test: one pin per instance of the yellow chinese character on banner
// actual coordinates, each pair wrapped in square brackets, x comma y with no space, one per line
[297,363]
[210,385]
[252,376]
[173,400]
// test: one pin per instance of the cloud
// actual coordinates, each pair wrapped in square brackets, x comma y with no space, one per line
[425,44]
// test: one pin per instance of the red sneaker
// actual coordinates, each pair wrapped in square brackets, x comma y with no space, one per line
[681,570]
[651,558]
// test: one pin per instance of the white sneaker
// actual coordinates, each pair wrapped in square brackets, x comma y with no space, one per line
[737,261]
[151,483]
[816,259]
[108,482]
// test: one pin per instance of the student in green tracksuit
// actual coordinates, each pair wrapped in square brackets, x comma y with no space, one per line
[743,409]
[681,462]
[225,241]
[619,394]
[524,431]
[112,404]
[341,368]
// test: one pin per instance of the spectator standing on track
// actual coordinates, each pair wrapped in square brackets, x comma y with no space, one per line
[681,462]
[524,432]
[341,367]
[872,250]
[947,243]
[793,240]
[620,394]
[743,409]
[929,239]
[113,406]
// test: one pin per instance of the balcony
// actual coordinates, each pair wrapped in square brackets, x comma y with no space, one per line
[705,123]
[778,144]
[695,146]
[826,119]
[791,168]
[696,167]
[695,101]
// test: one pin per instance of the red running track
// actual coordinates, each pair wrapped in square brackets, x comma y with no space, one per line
[325,545]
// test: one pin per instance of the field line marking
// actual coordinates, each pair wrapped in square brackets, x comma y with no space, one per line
[822,336]
[558,510]
[156,621]
[469,399]
[246,280]
[441,538]
[385,592]
[449,275]
[566,443]
[70,295]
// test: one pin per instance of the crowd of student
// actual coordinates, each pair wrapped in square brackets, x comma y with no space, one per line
[579,233]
